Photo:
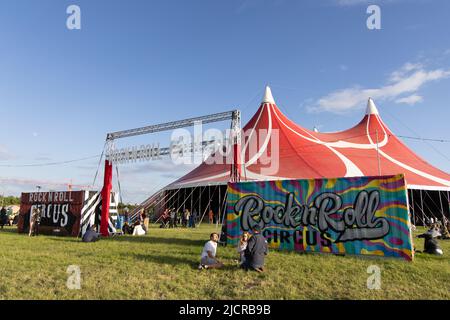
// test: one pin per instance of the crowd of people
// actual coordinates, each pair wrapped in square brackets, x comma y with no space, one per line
[173,218]
[139,228]
[7,217]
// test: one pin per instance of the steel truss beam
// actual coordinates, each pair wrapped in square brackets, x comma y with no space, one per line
[229,115]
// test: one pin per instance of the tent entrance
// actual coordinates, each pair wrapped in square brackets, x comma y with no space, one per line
[426,204]
[200,199]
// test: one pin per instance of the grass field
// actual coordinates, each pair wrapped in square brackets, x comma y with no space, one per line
[163,265]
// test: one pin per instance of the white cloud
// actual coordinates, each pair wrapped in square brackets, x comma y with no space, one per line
[350,2]
[164,168]
[252,4]
[405,81]
[15,186]
[346,3]
[404,70]
[413,99]
[5,154]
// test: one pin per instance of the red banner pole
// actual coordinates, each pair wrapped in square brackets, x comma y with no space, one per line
[106,195]
[237,162]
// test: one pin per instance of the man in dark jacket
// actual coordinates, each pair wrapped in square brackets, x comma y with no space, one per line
[431,244]
[91,235]
[3,217]
[257,249]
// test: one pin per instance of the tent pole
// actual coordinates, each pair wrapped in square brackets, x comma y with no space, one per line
[442,207]
[223,205]
[185,199]
[421,205]
[431,211]
[200,203]
[209,200]
[448,202]
[209,203]
[198,198]
[218,214]
[413,212]
[178,201]
[224,209]
[378,154]
[192,203]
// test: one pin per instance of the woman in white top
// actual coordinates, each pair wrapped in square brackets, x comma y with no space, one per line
[242,245]
[138,230]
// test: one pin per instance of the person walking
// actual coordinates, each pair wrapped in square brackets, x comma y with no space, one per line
[186,217]
[34,222]
[192,218]
[126,214]
[3,217]
[211,216]
[146,220]
[172,218]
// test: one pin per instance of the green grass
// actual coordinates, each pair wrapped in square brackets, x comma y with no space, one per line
[163,265]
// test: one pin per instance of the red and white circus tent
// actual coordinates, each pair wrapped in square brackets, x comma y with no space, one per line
[274,147]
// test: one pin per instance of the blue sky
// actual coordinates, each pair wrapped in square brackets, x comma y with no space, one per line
[136,63]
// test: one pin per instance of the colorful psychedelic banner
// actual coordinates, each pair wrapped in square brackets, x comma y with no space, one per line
[356,216]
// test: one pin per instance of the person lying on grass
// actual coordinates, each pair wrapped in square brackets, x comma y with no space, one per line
[208,259]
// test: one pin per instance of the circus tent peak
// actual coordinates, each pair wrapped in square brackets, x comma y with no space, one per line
[268,98]
[371,107]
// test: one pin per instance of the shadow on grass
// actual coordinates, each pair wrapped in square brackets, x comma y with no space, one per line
[10,230]
[176,261]
[159,240]
[140,239]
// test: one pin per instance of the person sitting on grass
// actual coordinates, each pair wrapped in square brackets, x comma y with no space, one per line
[138,229]
[242,245]
[445,229]
[431,244]
[91,235]
[127,229]
[257,249]
[208,259]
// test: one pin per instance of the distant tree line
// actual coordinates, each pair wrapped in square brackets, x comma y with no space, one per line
[10,200]
[130,206]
